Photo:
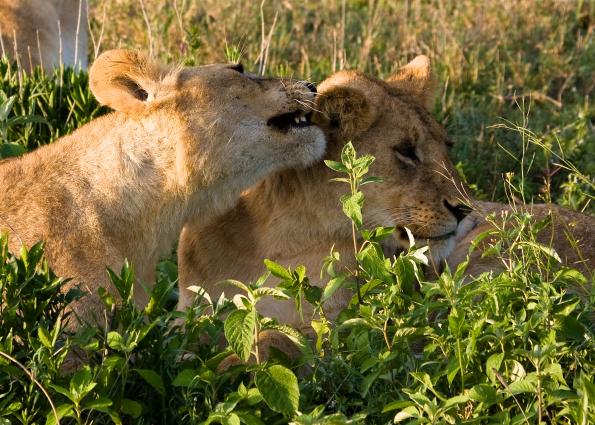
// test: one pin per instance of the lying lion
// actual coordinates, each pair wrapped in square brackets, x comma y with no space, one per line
[294,217]
[44,32]
[183,142]
[570,234]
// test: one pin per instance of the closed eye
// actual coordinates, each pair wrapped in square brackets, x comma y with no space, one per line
[405,152]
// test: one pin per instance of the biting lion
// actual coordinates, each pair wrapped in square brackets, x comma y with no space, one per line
[182,142]
[44,32]
[294,217]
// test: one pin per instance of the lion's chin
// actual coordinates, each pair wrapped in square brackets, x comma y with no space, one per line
[308,147]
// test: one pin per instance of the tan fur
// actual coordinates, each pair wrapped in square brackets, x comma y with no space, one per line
[571,234]
[30,32]
[183,142]
[295,217]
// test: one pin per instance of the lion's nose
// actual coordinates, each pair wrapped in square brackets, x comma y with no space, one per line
[310,86]
[460,211]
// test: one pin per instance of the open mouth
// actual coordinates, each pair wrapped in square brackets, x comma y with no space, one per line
[442,237]
[296,119]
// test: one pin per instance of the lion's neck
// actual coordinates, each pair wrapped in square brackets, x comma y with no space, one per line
[141,189]
[303,200]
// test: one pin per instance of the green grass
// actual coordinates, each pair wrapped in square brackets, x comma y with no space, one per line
[512,348]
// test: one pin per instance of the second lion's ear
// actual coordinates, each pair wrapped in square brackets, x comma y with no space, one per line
[125,80]
[416,79]
[345,110]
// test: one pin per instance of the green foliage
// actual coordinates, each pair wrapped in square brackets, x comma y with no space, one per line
[512,348]
[38,108]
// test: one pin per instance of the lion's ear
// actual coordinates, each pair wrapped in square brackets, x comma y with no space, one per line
[125,80]
[346,110]
[416,79]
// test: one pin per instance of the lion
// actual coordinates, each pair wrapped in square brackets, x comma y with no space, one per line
[569,233]
[182,143]
[294,217]
[44,33]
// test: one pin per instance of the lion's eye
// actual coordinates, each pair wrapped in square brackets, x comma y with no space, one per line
[405,152]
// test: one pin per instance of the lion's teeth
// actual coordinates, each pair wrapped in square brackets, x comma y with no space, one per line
[303,119]
[297,120]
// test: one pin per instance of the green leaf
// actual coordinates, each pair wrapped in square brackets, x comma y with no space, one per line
[44,337]
[185,378]
[8,150]
[277,270]
[336,166]
[279,388]
[249,419]
[115,341]
[152,379]
[493,365]
[348,155]
[406,413]
[352,207]
[522,386]
[453,401]
[239,330]
[550,252]
[62,411]
[398,404]
[230,419]
[332,286]
[100,403]
[131,408]
[81,384]
[266,291]
[483,393]
[370,179]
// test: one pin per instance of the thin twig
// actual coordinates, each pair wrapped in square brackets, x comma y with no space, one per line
[148,23]
[30,375]
[76,37]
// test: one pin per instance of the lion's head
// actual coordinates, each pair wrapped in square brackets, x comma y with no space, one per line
[231,127]
[294,217]
[390,120]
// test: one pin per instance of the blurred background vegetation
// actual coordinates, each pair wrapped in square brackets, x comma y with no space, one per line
[531,63]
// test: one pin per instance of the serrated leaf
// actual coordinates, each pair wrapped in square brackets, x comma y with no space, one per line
[239,330]
[522,386]
[352,207]
[279,389]
[277,270]
[271,292]
[235,283]
[483,393]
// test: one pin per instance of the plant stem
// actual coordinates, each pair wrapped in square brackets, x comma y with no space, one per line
[460,358]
